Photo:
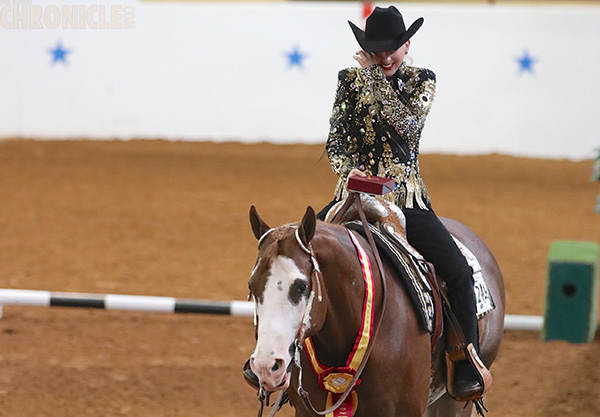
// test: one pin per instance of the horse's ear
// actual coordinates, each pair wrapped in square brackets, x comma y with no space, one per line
[259,227]
[308,225]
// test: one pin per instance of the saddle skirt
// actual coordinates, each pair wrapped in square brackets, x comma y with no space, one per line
[387,225]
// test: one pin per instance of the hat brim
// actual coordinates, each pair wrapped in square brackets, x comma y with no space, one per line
[384,45]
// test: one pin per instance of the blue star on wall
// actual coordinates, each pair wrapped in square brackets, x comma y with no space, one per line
[295,57]
[59,54]
[526,62]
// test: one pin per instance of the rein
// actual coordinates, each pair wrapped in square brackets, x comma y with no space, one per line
[304,395]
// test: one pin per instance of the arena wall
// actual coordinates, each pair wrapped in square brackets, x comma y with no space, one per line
[511,79]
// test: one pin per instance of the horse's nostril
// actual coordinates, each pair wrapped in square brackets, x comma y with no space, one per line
[278,364]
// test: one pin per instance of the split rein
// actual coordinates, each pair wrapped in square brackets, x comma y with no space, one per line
[316,291]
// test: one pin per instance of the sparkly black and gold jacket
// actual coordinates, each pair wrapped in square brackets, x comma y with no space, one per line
[376,126]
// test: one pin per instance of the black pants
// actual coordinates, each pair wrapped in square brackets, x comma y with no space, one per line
[426,233]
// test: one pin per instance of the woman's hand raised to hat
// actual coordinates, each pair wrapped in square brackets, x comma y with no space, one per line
[365,59]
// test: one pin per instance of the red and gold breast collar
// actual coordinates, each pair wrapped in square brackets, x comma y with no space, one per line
[335,380]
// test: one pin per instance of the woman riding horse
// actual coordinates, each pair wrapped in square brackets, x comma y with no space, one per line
[326,302]
[375,129]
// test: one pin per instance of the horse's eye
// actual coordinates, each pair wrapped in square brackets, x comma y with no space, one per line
[298,289]
[302,287]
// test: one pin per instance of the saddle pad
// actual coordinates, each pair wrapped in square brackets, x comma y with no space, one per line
[414,281]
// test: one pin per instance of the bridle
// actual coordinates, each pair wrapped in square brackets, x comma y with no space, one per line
[316,292]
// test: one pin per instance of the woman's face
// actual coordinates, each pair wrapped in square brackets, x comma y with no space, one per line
[390,61]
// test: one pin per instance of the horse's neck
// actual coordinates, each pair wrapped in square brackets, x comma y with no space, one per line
[344,284]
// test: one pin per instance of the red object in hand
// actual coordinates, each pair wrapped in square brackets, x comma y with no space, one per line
[371,184]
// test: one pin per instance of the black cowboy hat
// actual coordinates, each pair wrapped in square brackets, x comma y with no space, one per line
[384,30]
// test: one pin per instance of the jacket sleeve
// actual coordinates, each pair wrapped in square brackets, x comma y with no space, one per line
[341,143]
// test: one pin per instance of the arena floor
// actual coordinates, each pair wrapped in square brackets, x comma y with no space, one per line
[171,219]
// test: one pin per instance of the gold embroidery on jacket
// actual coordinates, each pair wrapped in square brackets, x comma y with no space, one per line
[369,132]
[365,96]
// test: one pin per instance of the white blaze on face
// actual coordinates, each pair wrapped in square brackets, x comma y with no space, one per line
[278,317]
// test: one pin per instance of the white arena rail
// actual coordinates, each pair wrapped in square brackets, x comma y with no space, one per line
[175,305]
[124,302]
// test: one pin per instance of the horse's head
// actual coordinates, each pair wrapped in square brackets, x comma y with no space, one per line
[286,290]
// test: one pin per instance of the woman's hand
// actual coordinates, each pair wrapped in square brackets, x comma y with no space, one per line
[356,171]
[365,59]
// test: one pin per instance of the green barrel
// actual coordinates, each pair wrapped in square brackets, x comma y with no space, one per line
[571,306]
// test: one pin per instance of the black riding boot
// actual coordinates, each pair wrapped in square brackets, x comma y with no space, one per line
[462,301]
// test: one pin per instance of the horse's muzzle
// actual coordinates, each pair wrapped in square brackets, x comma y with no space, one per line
[272,374]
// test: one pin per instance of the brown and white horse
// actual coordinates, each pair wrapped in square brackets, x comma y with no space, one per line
[308,281]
